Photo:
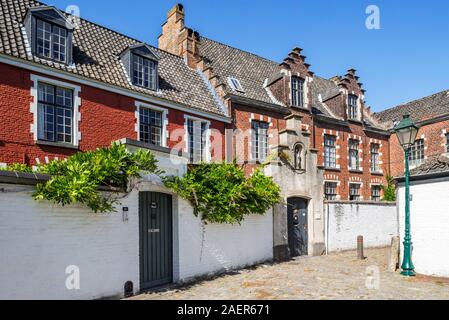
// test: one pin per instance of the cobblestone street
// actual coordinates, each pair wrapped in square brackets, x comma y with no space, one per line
[338,276]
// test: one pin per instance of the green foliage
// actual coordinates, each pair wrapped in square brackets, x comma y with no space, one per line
[77,179]
[221,193]
[389,190]
[18,167]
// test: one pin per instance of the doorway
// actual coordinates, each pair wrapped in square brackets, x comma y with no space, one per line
[156,239]
[298,228]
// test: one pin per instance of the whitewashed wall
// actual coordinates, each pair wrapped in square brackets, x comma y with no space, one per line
[345,221]
[39,240]
[429,225]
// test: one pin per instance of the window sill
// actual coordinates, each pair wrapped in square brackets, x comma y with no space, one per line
[356,171]
[332,169]
[377,173]
[57,144]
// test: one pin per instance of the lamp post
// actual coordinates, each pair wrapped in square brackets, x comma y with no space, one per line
[406,131]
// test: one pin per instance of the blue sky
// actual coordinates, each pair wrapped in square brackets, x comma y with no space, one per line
[406,59]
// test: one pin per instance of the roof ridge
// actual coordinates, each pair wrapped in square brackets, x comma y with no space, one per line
[244,51]
[412,101]
[109,29]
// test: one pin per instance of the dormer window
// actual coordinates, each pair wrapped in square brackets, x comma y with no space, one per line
[50,34]
[144,72]
[141,65]
[353,110]
[51,41]
[297,92]
[236,85]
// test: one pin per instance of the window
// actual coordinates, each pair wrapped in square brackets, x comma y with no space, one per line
[51,41]
[417,153]
[354,161]
[354,192]
[144,72]
[55,113]
[297,92]
[236,85]
[330,191]
[375,156]
[330,151]
[151,123]
[197,140]
[259,140]
[447,142]
[353,112]
[375,193]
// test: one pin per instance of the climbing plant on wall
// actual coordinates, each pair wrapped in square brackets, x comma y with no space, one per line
[221,193]
[78,178]
[389,190]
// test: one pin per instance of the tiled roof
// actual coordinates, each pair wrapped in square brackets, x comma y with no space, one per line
[254,71]
[251,70]
[96,56]
[422,109]
[434,165]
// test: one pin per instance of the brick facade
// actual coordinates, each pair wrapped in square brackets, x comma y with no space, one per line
[105,117]
[435,143]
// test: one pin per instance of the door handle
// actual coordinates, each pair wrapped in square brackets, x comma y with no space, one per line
[154,230]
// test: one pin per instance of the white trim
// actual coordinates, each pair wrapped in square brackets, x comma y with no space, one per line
[110,88]
[164,136]
[35,79]
[208,136]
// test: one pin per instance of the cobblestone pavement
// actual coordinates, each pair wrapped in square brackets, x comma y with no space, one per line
[338,276]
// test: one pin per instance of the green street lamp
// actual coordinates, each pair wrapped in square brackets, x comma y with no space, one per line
[406,131]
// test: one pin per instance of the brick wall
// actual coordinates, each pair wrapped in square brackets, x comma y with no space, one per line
[105,117]
[434,136]
[376,222]
[40,240]
[342,174]
[242,117]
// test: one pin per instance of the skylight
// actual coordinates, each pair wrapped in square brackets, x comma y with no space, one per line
[235,84]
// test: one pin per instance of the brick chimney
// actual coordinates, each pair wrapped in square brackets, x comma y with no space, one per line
[179,40]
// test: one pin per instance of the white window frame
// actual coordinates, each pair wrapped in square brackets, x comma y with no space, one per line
[164,135]
[235,84]
[360,190]
[36,79]
[380,191]
[357,159]
[207,147]
[357,111]
[251,156]
[413,150]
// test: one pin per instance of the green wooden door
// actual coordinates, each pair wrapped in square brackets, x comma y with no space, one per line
[156,239]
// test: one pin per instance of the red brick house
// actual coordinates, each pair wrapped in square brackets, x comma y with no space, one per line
[61,94]
[67,88]
[352,146]
[431,114]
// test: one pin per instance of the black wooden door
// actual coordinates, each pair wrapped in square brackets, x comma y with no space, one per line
[156,239]
[298,227]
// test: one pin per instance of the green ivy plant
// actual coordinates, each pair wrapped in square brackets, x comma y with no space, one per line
[18,167]
[78,178]
[221,193]
[389,190]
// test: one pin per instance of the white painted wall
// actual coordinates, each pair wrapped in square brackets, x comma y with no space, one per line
[205,249]
[345,221]
[429,225]
[39,240]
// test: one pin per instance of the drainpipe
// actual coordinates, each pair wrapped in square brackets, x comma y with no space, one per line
[326,229]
